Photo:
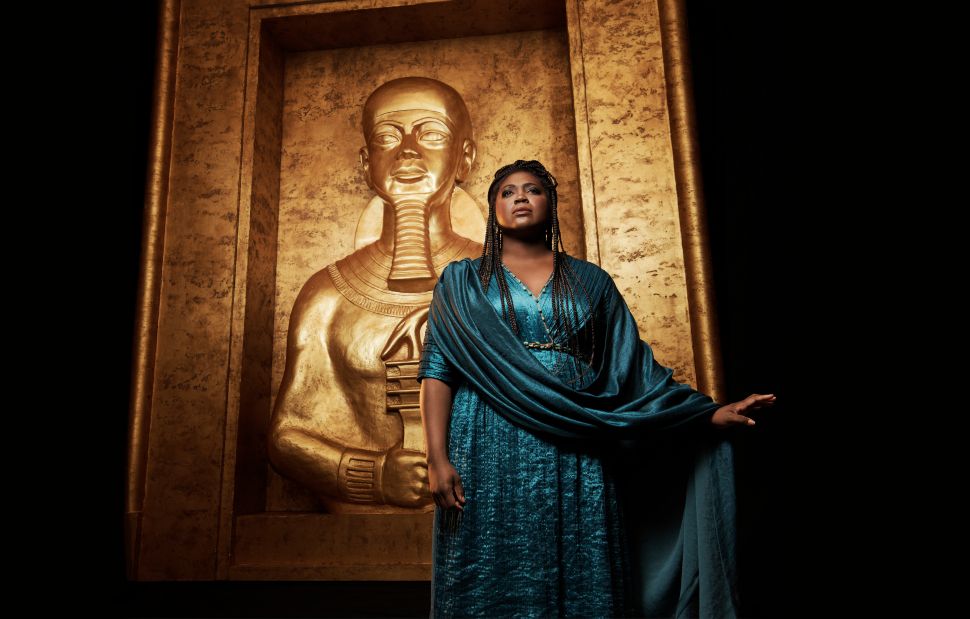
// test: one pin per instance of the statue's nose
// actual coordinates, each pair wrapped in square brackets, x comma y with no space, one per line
[409,148]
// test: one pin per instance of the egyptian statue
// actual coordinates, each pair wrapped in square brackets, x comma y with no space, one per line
[346,423]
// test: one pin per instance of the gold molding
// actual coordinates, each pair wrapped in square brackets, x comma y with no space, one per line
[697,263]
[149,281]
[584,156]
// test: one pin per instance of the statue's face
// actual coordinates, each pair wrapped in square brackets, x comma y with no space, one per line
[522,202]
[418,140]
[413,151]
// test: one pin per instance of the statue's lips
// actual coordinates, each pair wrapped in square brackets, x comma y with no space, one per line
[409,176]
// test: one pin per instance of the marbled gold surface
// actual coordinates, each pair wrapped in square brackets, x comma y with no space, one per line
[249,211]
[184,462]
[632,171]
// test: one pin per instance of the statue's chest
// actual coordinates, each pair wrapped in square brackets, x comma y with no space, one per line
[363,343]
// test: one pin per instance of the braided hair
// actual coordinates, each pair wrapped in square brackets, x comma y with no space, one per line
[566,322]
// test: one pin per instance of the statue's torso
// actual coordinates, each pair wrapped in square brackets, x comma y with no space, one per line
[364,316]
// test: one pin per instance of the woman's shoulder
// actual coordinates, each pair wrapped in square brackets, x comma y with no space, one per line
[597,282]
[456,268]
[464,263]
[588,269]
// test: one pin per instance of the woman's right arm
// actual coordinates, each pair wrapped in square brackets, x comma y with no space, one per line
[443,479]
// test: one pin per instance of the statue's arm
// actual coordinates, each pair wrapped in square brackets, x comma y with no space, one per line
[304,420]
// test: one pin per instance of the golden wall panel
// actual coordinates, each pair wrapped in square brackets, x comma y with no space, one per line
[187,426]
[633,172]
[262,188]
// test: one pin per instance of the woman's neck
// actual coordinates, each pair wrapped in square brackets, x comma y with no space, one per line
[519,250]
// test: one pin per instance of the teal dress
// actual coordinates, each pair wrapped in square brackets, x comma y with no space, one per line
[580,496]
[542,532]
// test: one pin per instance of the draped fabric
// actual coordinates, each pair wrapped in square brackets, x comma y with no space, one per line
[635,485]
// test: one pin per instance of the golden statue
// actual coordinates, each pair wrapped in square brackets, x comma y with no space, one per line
[347,423]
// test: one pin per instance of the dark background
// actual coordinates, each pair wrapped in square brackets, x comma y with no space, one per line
[764,104]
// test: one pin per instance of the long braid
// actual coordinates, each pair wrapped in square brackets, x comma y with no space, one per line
[492,263]
[565,317]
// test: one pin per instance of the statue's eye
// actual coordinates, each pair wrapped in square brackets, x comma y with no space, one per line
[433,136]
[535,190]
[386,139]
[506,193]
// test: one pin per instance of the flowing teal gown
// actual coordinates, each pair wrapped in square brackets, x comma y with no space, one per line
[610,497]
[541,534]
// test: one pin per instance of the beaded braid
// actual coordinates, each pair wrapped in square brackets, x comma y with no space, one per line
[563,291]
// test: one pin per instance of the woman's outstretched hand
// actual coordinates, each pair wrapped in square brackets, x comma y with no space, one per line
[734,414]
[445,485]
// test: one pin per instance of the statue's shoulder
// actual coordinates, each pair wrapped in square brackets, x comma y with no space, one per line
[319,296]
[472,249]
[323,283]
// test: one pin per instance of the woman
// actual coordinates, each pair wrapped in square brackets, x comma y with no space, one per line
[532,376]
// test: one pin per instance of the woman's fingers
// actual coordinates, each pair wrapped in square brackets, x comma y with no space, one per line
[459,491]
[441,497]
[451,494]
[732,414]
[752,402]
[445,501]
[756,401]
[448,494]
[767,400]
[442,494]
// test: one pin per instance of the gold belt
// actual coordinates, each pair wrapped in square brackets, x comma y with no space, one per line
[546,345]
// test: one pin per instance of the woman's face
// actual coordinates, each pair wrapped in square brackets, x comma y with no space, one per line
[522,204]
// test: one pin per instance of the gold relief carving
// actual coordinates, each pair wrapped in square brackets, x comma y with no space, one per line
[360,476]
[403,388]
[346,422]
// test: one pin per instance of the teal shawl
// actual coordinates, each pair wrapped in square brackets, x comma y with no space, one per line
[677,469]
